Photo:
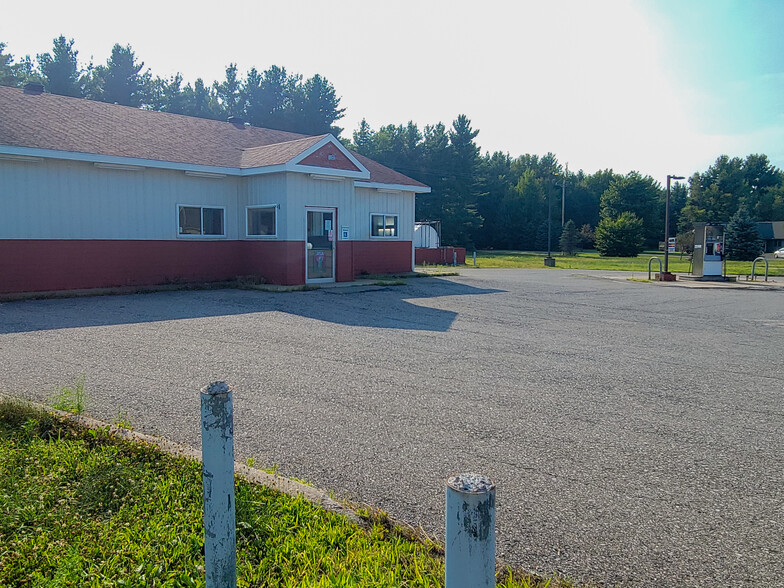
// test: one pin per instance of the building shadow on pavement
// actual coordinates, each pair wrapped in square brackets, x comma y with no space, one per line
[386,307]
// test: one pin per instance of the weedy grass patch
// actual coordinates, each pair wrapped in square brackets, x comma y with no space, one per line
[80,507]
[71,398]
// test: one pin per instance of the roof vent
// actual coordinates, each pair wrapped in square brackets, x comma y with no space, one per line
[237,122]
[33,88]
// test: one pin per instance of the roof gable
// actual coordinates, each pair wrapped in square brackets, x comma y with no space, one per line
[330,156]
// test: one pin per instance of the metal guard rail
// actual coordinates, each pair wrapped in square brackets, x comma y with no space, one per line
[661,270]
[754,267]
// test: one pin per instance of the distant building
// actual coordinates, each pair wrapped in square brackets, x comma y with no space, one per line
[98,195]
[772,234]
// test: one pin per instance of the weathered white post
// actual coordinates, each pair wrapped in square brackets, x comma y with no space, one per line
[470,531]
[454,258]
[474,258]
[217,447]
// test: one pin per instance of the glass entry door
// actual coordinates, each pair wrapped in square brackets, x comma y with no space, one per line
[320,252]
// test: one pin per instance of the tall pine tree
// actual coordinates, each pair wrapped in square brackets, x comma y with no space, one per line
[741,237]
[60,69]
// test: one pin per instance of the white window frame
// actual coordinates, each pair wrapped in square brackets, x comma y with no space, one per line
[275,208]
[385,214]
[201,208]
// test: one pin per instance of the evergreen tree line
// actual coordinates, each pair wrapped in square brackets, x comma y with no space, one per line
[496,201]
[273,98]
[483,201]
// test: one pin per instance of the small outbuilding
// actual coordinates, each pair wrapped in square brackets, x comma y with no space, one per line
[101,195]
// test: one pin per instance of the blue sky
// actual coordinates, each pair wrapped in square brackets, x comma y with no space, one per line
[658,86]
[732,53]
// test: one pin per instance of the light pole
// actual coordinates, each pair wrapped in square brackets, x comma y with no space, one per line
[667,224]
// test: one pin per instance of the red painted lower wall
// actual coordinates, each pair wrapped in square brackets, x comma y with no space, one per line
[440,255]
[278,262]
[51,264]
[381,257]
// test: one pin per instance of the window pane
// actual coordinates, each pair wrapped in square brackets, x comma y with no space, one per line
[391,227]
[213,221]
[190,220]
[261,221]
[377,225]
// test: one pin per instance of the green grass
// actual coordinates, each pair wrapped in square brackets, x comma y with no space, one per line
[80,507]
[591,260]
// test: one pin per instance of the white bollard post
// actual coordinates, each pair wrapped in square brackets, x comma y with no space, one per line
[474,258]
[217,447]
[470,531]
[454,258]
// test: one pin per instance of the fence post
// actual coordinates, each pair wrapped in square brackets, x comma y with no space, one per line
[217,447]
[470,531]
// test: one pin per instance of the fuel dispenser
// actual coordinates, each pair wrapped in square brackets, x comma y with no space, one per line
[708,258]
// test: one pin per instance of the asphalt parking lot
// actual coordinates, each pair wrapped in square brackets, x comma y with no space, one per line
[635,431]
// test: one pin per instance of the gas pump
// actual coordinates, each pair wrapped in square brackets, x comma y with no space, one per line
[708,259]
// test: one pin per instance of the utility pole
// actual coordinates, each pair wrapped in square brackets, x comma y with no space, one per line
[563,197]
[549,261]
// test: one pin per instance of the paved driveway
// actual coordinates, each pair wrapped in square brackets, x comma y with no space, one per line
[634,430]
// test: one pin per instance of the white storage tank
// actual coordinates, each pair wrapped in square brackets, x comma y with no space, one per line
[425,236]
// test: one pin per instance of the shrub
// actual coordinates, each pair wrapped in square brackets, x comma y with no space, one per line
[621,236]
[569,239]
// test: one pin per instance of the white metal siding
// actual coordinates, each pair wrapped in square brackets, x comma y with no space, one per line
[305,191]
[74,200]
[266,189]
[295,192]
[369,201]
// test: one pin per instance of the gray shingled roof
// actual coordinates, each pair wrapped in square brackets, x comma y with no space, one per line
[61,123]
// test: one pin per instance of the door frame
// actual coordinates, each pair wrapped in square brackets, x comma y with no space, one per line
[334,211]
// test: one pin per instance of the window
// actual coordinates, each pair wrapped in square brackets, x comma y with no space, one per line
[261,221]
[383,225]
[202,221]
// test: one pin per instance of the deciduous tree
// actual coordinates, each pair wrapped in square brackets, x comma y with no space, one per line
[621,236]
[640,195]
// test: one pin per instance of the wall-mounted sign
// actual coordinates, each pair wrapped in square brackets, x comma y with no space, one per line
[344,233]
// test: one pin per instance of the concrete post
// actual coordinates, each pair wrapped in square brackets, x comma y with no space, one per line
[454,258]
[217,447]
[470,531]
[474,258]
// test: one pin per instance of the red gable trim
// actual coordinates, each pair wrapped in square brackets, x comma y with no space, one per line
[331,157]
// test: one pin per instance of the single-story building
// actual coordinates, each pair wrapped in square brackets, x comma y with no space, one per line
[100,195]
[772,235]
